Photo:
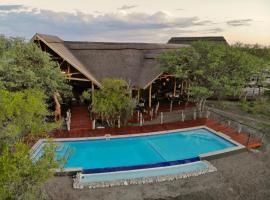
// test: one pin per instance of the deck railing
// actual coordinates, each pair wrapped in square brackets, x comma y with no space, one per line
[192,114]
[240,127]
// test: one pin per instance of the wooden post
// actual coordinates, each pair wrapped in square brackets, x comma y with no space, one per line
[151,114]
[141,119]
[92,88]
[171,106]
[94,124]
[118,121]
[182,116]
[174,87]
[207,114]
[239,128]
[161,118]
[182,85]
[187,91]
[150,96]
[195,115]
[68,71]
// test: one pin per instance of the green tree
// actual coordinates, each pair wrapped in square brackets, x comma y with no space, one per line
[20,177]
[113,101]
[184,64]
[27,78]
[23,65]
[211,69]
[264,54]
[23,113]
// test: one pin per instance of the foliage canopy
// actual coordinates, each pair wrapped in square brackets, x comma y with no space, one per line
[20,177]
[113,100]
[23,113]
[212,69]
[23,66]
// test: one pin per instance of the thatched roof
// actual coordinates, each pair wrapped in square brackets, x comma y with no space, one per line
[133,62]
[189,40]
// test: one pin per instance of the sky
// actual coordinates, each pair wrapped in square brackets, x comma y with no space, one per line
[246,21]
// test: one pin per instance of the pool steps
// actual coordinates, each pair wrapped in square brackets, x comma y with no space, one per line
[62,152]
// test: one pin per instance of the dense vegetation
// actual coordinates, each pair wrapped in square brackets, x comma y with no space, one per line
[216,69]
[113,103]
[24,66]
[28,79]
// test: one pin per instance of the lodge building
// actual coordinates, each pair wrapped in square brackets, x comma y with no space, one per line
[85,64]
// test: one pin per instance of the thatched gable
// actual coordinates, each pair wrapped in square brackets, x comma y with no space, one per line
[133,62]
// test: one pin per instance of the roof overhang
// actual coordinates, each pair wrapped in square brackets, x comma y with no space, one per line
[66,58]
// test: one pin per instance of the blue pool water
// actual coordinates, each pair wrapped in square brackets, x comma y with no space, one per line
[140,150]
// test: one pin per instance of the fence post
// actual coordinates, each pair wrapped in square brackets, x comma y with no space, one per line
[138,116]
[118,122]
[141,119]
[239,128]
[161,118]
[207,114]
[171,106]
[229,123]
[200,114]
[194,115]
[248,138]
[182,116]
[151,114]
[94,124]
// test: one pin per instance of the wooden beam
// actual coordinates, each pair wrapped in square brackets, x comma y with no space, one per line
[78,79]
[150,96]
[92,90]
[70,74]
[62,63]
[68,71]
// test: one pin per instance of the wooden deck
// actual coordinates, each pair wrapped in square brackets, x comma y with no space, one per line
[241,138]
[80,119]
[162,108]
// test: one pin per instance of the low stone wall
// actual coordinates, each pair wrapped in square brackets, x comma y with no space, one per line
[78,185]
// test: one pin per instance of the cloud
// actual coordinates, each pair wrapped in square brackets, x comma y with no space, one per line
[127,7]
[212,30]
[119,26]
[239,22]
[10,7]
[179,9]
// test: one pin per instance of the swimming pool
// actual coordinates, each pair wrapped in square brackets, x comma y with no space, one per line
[137,152]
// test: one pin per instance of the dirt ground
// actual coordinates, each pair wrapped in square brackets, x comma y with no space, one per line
[244,175]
